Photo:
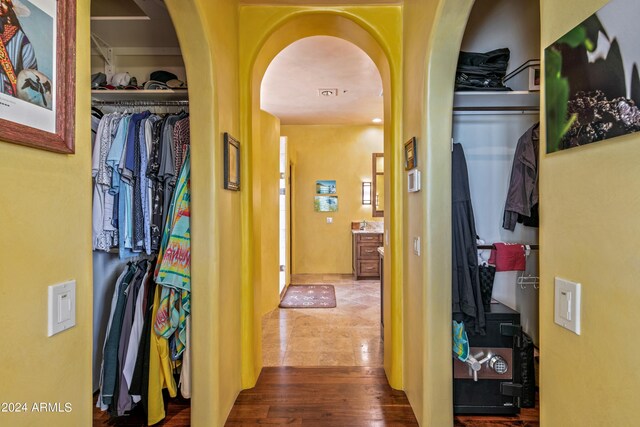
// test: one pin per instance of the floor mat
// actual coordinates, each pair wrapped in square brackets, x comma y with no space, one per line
[309,296]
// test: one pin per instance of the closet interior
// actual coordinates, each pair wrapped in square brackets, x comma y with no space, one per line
[495,242]
[141,214]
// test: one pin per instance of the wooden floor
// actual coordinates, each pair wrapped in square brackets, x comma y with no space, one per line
[528,417]
[327,396]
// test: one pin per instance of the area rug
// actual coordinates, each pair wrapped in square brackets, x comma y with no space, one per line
[309,296]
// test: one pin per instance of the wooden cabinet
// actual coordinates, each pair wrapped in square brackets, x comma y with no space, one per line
[365,261]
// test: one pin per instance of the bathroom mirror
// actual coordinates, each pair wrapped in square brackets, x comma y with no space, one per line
[377,189]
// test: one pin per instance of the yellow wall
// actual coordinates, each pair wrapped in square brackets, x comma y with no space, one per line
[208,35]
[376,30]
[45,223]
[588,233]
[432,35]
[343,154]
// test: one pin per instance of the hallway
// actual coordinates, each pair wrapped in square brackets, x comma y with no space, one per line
[348,335]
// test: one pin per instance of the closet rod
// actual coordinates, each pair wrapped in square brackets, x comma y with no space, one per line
[134,103]
[532,247]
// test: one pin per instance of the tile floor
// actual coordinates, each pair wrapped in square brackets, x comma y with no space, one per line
[348,335]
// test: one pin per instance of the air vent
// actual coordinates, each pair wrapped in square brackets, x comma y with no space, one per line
[328,92]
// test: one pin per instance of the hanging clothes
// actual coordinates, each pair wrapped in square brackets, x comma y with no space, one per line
[467,298]
[173,270]
[522,196]
[141,169]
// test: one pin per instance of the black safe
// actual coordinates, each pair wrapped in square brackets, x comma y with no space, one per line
[495,360]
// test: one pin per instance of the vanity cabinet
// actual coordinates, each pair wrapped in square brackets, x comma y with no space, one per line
[365,260]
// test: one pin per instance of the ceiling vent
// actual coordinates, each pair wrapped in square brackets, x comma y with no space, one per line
[327,92]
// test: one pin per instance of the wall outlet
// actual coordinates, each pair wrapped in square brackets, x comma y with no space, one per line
[329,220]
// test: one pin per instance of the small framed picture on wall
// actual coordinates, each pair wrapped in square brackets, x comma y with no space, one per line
[231,163]
[410,159]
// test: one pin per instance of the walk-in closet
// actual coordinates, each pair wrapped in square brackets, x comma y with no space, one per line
[141,216]
[495,212]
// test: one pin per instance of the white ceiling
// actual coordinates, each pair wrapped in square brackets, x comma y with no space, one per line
[290,85]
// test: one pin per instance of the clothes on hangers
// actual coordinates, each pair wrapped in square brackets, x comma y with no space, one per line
[466,294]
[138,160]
[135,168]
[522,196]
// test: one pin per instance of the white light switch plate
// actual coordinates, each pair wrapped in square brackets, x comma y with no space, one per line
[567,305]
[62,307]
[329,220]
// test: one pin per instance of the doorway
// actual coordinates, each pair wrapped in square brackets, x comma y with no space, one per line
[326,95]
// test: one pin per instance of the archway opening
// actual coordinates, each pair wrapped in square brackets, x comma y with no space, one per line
[323,93]
[274,40]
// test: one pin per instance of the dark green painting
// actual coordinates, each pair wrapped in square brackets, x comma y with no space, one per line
[592,81]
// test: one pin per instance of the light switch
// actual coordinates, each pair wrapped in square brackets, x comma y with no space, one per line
[329,220]
[567,304]
[62,307]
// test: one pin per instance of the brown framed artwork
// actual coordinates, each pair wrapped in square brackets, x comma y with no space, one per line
[231,163]
[410,159]
[37,73]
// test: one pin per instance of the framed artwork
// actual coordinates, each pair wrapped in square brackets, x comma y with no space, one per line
[592,80]
[326,204]
[231,163]
[326,187]
[37,73]
[410,160]
[534,77]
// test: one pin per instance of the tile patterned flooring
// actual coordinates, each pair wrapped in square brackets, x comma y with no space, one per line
[348,335]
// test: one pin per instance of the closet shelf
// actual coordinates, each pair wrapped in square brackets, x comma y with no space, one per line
[496,101]
[140,95]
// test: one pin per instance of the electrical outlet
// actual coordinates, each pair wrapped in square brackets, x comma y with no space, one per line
[329,220]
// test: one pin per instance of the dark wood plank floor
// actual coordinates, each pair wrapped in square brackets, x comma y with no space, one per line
[344,396]
[340,396]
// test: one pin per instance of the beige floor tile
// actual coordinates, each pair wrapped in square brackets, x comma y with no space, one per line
[337,358]
[348,335]
[301,358]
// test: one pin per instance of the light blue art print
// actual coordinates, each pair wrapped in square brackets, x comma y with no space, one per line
[38,26]
[326,187]
[326,204]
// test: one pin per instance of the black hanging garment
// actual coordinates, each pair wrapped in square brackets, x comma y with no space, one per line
[482,71]
[467,299]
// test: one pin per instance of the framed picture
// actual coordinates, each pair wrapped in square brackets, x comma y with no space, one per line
[410,160]
[591,79]
[326,204]
[37,73]
[326,187]
[231,163]
[534,77]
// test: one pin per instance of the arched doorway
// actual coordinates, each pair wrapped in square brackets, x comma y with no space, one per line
[262,45]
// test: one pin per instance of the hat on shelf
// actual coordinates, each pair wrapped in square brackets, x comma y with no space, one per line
[176,84]
[155,85]
[98,79]
[162,76]
[120,79]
